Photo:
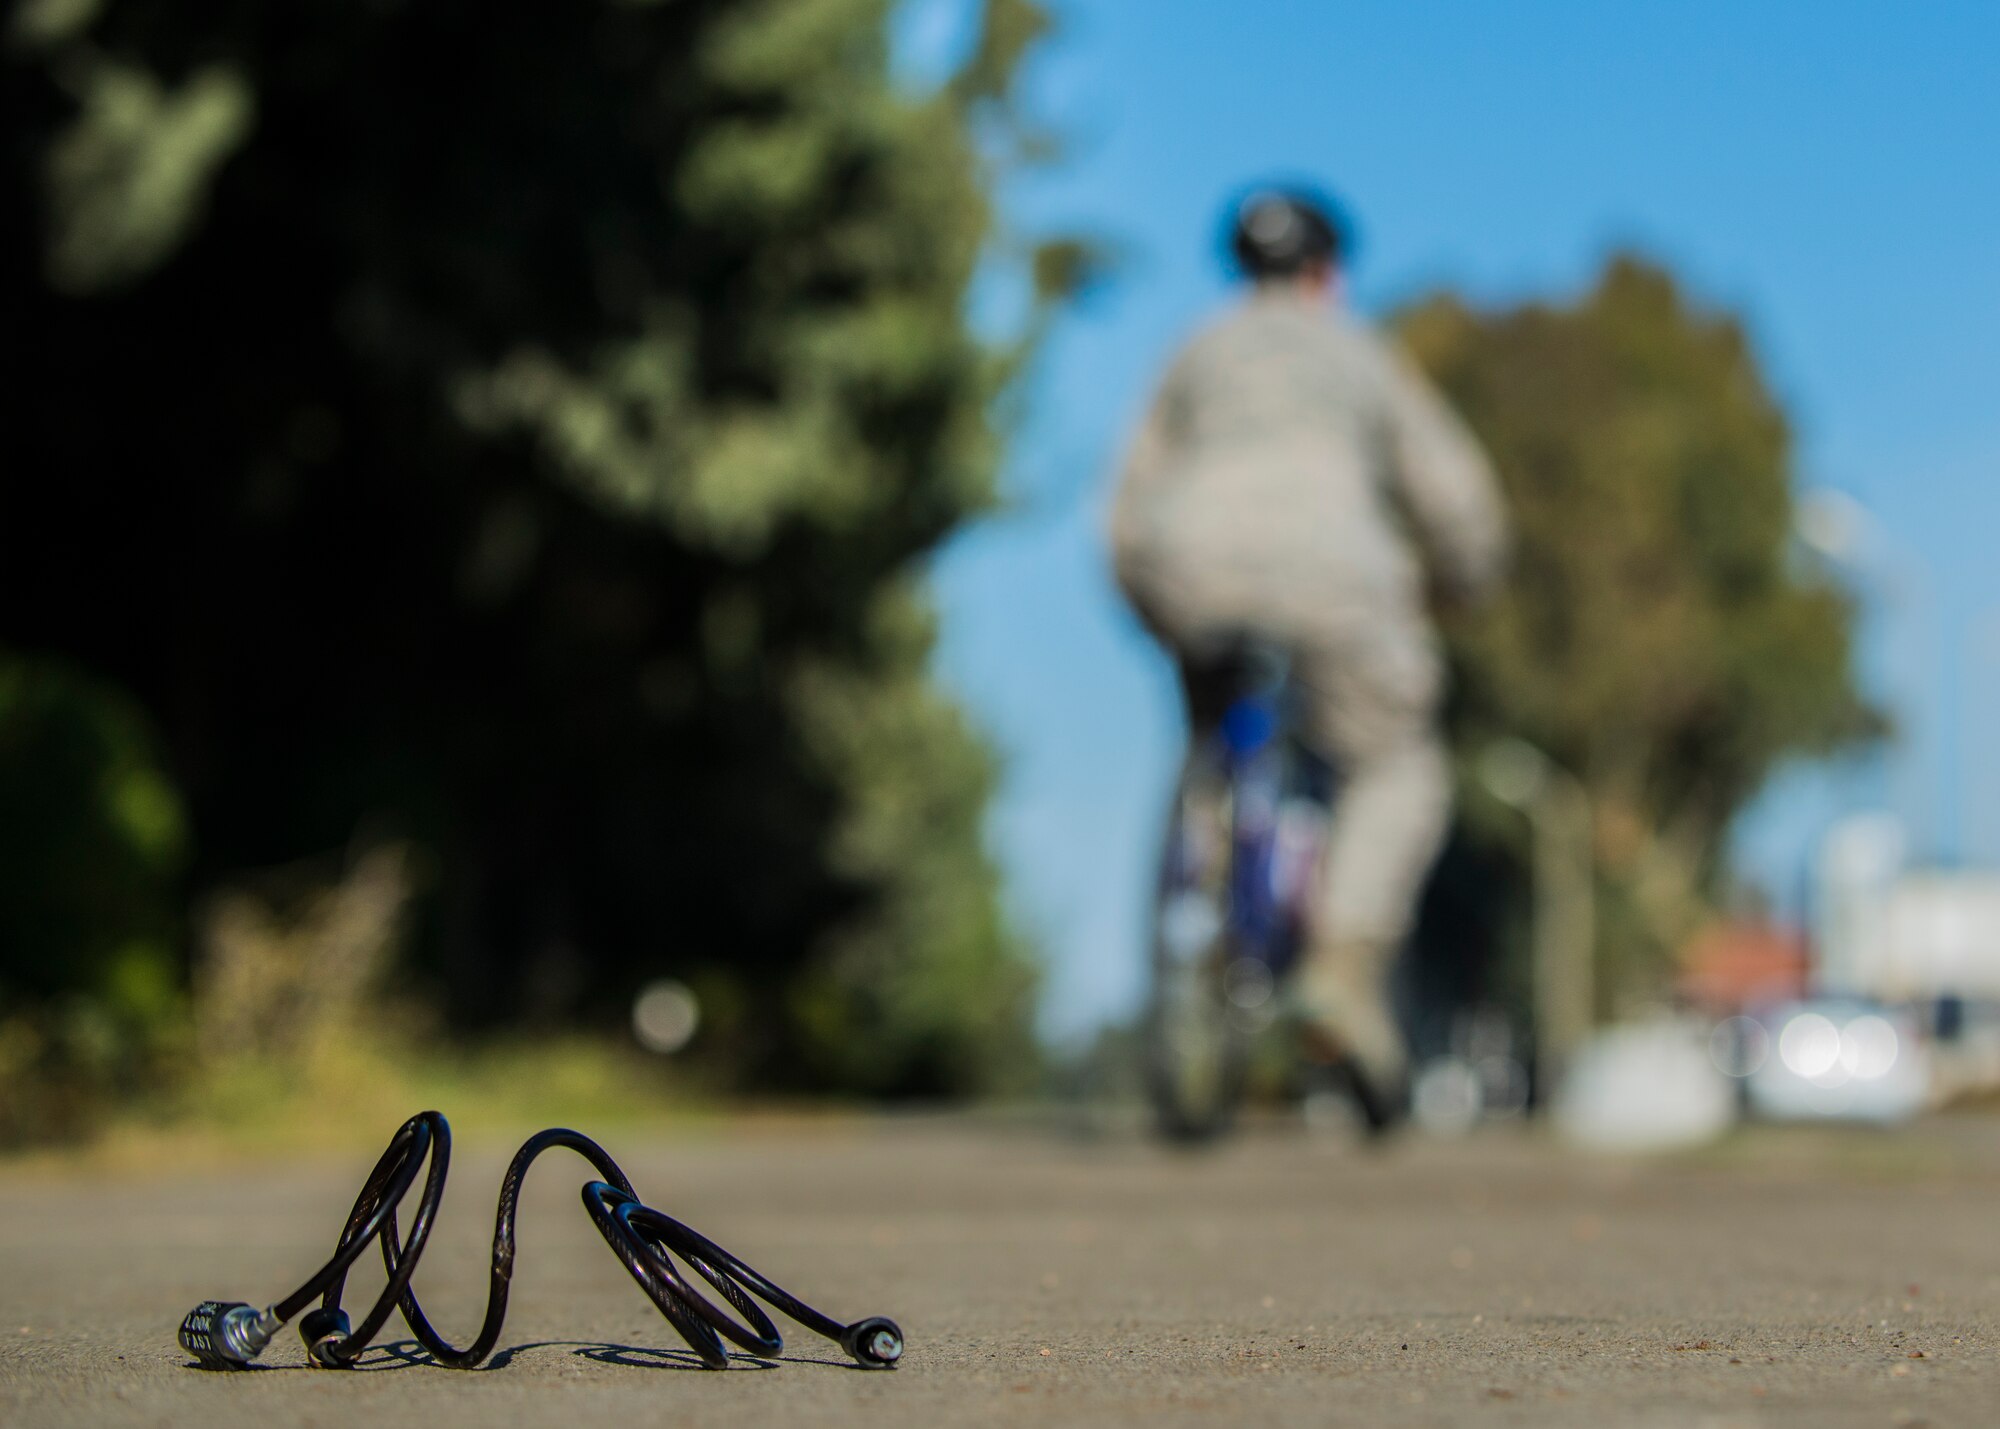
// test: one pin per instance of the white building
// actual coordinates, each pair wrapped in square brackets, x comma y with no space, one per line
[1885,932]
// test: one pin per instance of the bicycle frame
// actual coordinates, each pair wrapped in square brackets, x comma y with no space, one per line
[1235,890]
[1272,858]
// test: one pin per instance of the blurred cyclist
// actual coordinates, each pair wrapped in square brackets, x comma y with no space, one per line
[1289,470]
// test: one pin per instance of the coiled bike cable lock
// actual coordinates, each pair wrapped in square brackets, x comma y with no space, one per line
[230,1334]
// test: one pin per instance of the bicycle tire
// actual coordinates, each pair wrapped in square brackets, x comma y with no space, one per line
[1197,1056]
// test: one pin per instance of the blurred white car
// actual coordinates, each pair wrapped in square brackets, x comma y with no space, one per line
[1827,1059]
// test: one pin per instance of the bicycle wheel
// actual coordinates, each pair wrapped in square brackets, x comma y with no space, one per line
[1196,1049]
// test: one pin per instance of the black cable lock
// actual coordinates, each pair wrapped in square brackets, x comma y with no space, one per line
[230,1334]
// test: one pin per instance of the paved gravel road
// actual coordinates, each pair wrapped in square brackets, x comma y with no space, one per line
[1046,1280]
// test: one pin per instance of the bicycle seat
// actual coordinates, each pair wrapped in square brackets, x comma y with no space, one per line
[1236,686]
[1239,687]
[1241,663]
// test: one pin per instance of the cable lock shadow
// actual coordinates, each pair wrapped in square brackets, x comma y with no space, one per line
[408,1354]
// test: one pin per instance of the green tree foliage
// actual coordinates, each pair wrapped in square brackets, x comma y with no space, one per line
[1657,640]
[92,842]
[517,428]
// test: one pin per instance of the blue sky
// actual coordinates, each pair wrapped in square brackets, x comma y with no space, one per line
[1829,170]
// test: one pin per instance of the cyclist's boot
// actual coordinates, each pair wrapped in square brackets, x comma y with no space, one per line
[1348,1026]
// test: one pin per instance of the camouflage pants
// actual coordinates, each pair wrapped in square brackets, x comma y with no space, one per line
[1370,682]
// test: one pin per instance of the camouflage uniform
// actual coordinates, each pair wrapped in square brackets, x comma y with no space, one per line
[1274,488]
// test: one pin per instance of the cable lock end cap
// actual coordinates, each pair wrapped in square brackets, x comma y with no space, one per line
[875,1343]
[227,1334]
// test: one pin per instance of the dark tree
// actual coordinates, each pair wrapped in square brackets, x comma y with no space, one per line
[515,428]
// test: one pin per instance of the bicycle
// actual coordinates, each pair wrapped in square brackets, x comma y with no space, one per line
[1242,860]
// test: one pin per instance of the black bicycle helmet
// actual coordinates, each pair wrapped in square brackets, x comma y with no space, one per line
[1280,232]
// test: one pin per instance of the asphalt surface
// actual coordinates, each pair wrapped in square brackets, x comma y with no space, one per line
[1046,1279]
